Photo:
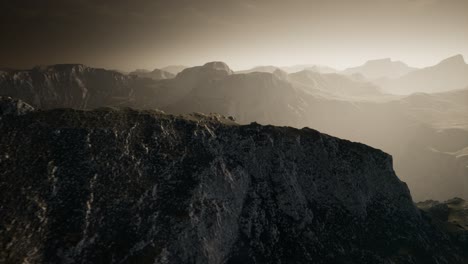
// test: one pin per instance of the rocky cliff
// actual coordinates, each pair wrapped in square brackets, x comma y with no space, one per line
[407,127]
[71,85]
[126,186]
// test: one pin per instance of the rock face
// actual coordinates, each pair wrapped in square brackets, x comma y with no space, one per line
[416,130]
[381,68]
[10,106]
[126,186]
[70,85]
[451,216]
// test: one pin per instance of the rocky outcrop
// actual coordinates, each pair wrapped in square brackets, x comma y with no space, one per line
[71,85]
[126,186]
[413,129]
[450,216]
[10,106]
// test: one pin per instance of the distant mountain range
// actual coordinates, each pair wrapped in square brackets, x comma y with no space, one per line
[449,74]
[426,134]
[269,69]
[382,68]
[333,83]
[71,85]
[167,72]
[174,69]
[156,74]
[310,67]
[291,69]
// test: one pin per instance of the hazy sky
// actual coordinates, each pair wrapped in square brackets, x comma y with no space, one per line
[243,33]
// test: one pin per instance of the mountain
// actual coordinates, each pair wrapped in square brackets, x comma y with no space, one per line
[449,74]
[381,68]
[415,131]
[127,186]
[451,216]
[291,69]
[334,83]
[445,110]
[69,85]
[257,96]
[156,74]
[280,74]
[423,132]
[310,67]
[174,69]
[189,79]
[269,69]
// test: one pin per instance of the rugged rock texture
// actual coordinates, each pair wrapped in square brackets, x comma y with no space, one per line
[71,85]
[416,130]
[381,68]
[10,106]
[452,217]
[126,186]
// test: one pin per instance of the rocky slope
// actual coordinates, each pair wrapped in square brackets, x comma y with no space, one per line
[126,186]
[10,106]
[71,85]
[425,133]
[450,216]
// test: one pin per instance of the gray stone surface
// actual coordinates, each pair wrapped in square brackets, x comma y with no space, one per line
[127,186]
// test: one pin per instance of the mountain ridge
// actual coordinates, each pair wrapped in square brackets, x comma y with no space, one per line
[381,68]
[448,74]
[216,192]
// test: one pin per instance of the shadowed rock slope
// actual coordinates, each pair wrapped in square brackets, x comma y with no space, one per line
[451,216]
[10,106]
[71,85]
[126,186]
[417,130]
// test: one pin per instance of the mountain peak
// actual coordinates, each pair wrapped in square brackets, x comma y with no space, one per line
[457,59]
[218,65]
[209,71]
[174,69]
[282,75]
[384,60]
